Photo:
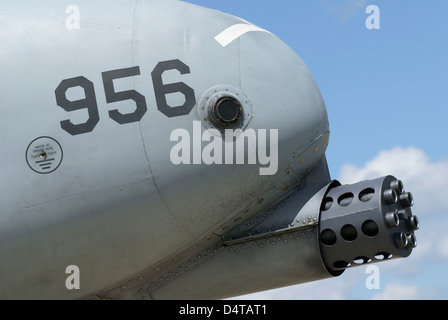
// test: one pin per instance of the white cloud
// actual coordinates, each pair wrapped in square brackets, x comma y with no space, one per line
[420,276]
[425,179]
[443,249]
[398,292]
[432,242]
[428,182]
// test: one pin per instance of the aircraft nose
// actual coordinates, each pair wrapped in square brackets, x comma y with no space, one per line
[282,92]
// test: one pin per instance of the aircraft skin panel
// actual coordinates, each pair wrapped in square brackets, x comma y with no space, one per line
[236,69]
[104,185]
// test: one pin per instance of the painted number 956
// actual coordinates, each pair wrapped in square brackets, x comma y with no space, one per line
[90,102]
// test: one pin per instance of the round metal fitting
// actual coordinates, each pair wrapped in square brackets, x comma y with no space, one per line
[225,107]
[390,196]
[228,111]
[392,219]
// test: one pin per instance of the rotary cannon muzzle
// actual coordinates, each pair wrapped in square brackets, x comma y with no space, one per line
[369,221]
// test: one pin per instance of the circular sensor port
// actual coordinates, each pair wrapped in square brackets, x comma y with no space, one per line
[225,107]
[228,111]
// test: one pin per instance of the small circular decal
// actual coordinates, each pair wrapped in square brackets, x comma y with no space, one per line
[44,155]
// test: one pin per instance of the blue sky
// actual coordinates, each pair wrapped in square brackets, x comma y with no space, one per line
[387,85]
[386,95]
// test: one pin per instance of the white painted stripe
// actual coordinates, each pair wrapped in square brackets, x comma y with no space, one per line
[234,32]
